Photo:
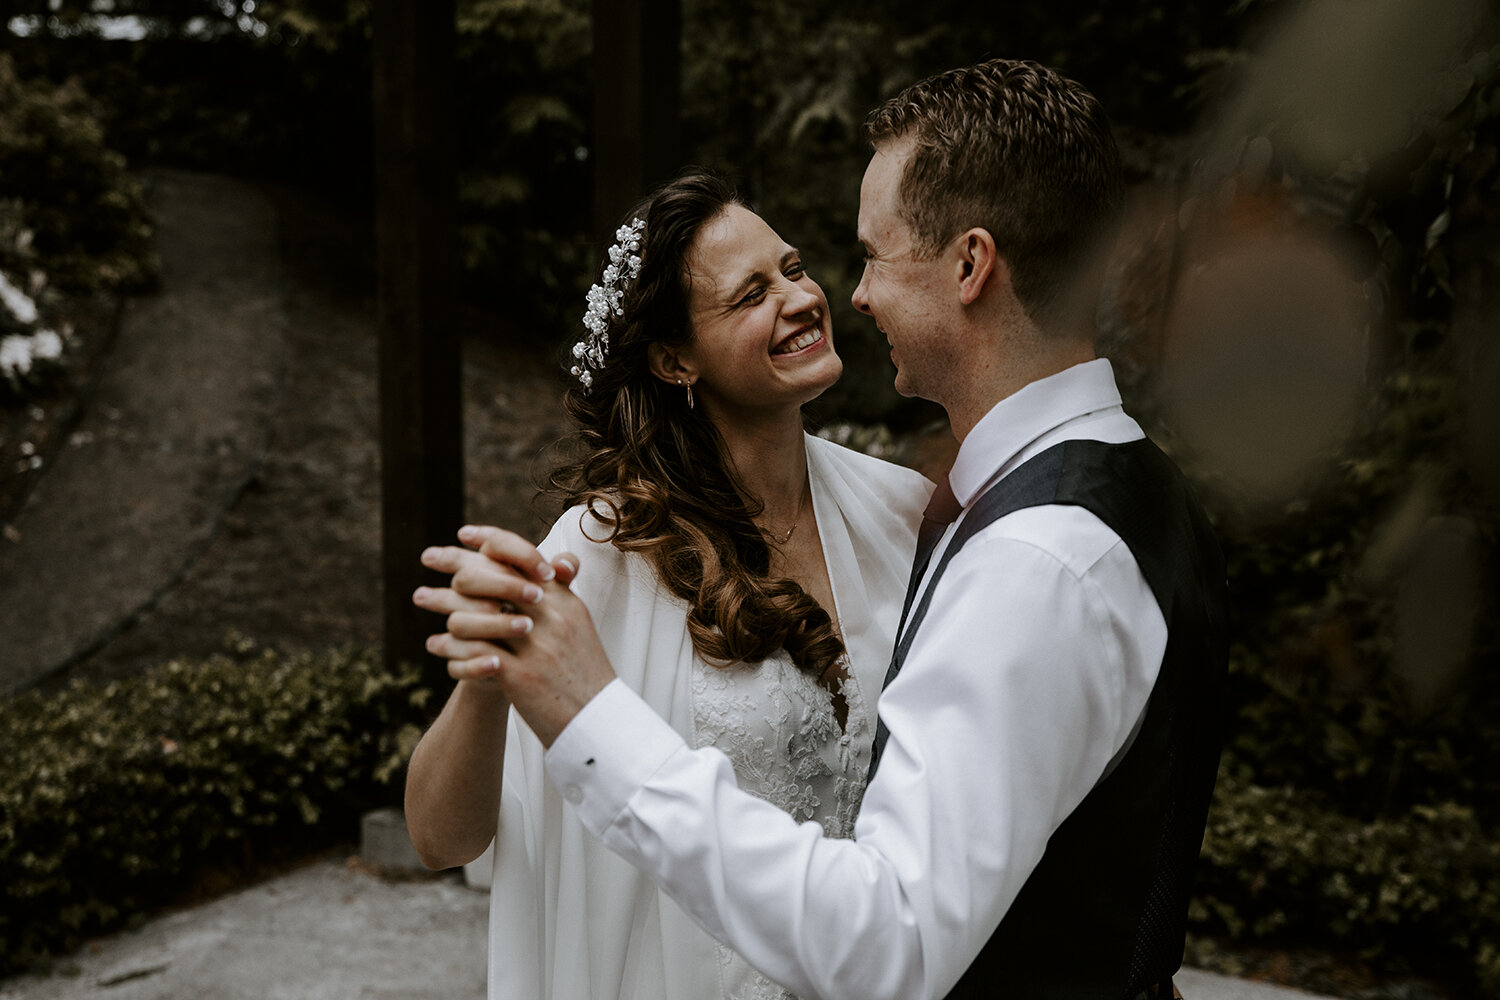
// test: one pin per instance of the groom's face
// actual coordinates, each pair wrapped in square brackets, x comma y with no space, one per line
[899,289]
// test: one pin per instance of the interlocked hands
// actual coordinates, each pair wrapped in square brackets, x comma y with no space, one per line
[512,621]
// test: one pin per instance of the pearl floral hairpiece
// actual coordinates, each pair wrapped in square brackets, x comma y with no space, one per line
[603,299]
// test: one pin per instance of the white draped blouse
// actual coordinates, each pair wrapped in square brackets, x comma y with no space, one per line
[569,920]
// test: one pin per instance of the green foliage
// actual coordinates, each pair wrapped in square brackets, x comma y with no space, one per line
[116,795]
[1280,865]
[1359,805]
[87,217]
[525,180]
[1322,701]
[1330,695]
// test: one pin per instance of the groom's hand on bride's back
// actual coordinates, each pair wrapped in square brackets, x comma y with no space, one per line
[512,620]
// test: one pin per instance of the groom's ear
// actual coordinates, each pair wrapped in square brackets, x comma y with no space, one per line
[978,264]
[668,365]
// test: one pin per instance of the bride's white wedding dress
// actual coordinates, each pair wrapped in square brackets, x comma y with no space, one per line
[778,728]
[571,921]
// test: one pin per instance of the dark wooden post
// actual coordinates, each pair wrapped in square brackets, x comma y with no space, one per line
[421,416]
[637,103]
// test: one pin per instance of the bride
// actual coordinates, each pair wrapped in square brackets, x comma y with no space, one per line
[745,577]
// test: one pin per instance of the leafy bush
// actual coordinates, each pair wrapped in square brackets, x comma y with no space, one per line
[1362,676]
[116,795]
[31,349]
[1323,699]
[85,212]
[1421,889]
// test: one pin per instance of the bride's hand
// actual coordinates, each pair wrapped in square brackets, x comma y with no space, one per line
[477,629]
[509,556]
[509,549]
[496,575]
[542,651]
[489,600]
[485,598]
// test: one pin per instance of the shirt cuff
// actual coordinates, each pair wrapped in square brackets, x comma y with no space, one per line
[609,750]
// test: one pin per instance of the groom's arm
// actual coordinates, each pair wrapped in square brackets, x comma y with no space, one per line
[1018,690]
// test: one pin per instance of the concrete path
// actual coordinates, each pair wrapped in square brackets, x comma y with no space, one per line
[182,402]
[329,931]
[333,931]
[1195,984]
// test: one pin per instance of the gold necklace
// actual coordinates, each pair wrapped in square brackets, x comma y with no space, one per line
[783,539]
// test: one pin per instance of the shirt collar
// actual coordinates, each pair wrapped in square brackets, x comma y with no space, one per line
[1018,420]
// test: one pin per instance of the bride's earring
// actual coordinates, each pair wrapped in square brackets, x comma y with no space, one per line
[689,393]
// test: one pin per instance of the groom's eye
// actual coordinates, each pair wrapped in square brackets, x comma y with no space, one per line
[796,271]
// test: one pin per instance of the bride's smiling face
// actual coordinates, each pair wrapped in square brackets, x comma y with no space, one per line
[762,336]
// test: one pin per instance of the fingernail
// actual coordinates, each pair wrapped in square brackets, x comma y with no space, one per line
[432,642]
[429,553]
[522,626]
[468,533]
[545,571]
[492,664]
[531,593]
[420,594]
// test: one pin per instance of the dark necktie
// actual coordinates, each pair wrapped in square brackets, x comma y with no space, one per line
[942,510]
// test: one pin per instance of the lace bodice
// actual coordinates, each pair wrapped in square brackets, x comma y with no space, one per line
[777,726]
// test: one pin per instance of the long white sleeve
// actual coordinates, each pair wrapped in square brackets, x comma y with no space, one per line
[1027,677]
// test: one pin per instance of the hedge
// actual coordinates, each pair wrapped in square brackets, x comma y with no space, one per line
[116,796]
[1415,893]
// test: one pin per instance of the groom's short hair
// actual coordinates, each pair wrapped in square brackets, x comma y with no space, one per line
[1016,149]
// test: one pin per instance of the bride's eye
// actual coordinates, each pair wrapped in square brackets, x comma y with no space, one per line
[753,296]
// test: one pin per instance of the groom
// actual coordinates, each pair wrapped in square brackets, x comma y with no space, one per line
[1048,731]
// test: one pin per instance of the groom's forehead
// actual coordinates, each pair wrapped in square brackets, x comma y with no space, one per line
[881,185]
[880,221]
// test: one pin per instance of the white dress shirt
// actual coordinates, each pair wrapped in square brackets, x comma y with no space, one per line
[1027,678]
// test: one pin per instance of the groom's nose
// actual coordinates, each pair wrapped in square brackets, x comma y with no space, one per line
[860,297]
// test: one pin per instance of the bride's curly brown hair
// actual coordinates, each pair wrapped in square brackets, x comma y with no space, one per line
[656,474]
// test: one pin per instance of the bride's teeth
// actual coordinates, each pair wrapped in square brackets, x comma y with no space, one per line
[799,342]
